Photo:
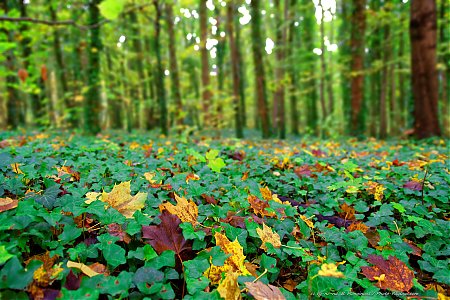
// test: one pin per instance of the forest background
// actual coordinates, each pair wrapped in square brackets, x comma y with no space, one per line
[326,68]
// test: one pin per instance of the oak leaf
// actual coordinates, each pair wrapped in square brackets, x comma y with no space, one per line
[229,288]
[167,235]
[397,276]
[120,198]
[263,291]
[187,211]
[268,236]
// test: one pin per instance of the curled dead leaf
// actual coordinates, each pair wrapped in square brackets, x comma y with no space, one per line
[263,291]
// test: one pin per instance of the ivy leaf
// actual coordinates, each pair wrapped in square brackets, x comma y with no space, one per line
[4,255]
[114,254]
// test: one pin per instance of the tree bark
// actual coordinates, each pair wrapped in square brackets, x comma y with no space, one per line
[425,87]
[294,84]
[174,73]
[234,70]
[357,51]
[92,101]
[206,89]
[260,79]
[160,90]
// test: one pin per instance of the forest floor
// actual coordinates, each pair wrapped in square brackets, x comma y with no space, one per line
[199,218]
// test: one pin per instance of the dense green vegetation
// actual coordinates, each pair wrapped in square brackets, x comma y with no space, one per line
[338,212]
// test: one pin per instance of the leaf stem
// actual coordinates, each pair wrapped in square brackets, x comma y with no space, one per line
[261,275]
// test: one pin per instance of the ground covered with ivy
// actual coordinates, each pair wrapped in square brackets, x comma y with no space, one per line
[134,216]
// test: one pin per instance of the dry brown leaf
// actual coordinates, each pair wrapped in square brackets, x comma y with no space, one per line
[7,204]
[358,226]
[259,206]
[397,276]
[229,288]
[263,291]
[187,211]
[348,212]
[268,236]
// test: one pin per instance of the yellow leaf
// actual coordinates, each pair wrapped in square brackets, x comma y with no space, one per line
[267,235]
[229,288]
[149,176]
[91,197]
[234,263]
[187,211]
[307,221]
[83,268]
[16,169]
[330,270]
[266,193]
[120,198]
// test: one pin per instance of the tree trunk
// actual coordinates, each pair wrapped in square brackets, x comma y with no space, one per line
[444,36]
[242,82]
[260,79]
[322,67]
[357,81]
[278,102]
[92,101]
[174,74]
[206,89]
[294,84]
[160,90]
[234,70]
[384,83]
[423,35]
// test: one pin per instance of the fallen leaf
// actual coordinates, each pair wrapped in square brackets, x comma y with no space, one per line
[268,236]
[234,263]
[191,176]
[7,204]
[307,221]
[358,226]
[149,176]
[348,212]
[120,199]
[263,291]
[15,168]
[167,235]
[290,285]
[83,268]
[259,206]
[330,270]
[229,288]
[375,189]
[187,211]
[115,229]
[413,185]
[397,276]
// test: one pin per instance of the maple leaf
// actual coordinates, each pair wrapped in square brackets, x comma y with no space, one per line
[167,235]
[259,206]
[375,189]
[263,291]
[229,288]
[234,263]
[120,199]
[397,276]
[187,211]
[7,204]
[268,236]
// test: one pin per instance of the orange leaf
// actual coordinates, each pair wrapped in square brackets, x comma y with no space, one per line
[397,276]
[259,206]
[187,211]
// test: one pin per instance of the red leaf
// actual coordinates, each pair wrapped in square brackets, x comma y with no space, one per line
[392,274]
[44,73]
[167,235]
[304,170]
[115,229]
[413,185]
[23,74]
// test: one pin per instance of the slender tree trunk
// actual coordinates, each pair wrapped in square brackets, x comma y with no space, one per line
[206,89]
[322,66]
[160,90]
[357,50]
[344,59]
[241,65]
[92,102]
[15,116]
[234,70]
[141,88]
[425,87]
[260,79]
[174,74]
[278,103]
[384,83]
[294,84]
[401,83]
[329,75]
